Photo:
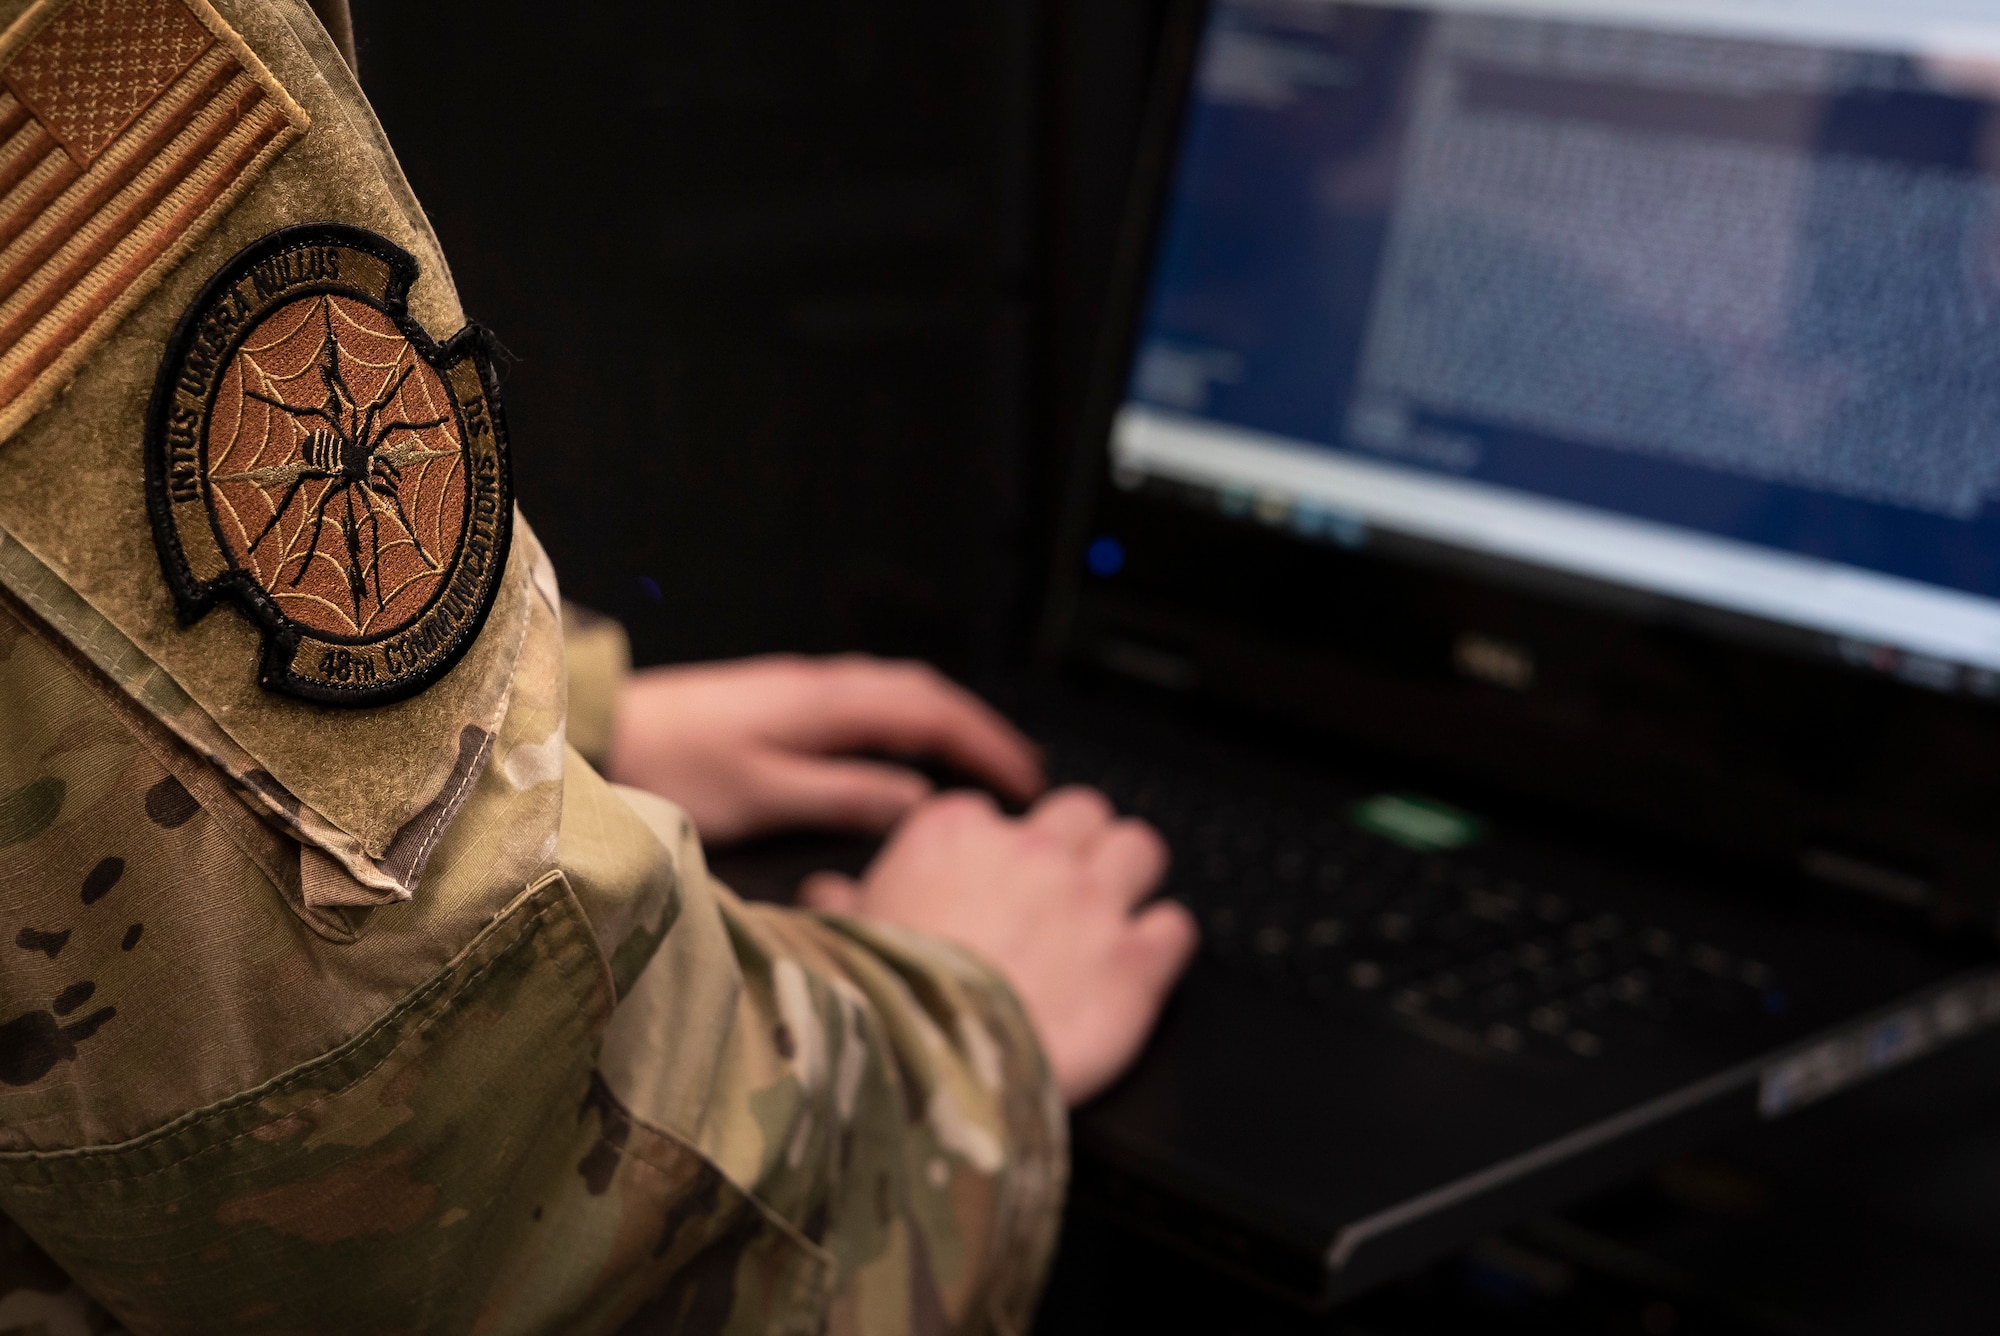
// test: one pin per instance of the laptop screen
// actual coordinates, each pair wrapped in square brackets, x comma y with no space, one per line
[1695,300]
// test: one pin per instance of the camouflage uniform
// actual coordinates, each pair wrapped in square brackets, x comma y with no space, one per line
[403,1019]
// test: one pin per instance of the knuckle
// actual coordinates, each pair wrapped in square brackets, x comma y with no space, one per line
[1037,842]
[852,668]
[927,693]
[789,672]
[835,671]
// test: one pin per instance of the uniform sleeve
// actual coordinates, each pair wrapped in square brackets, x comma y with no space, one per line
[881,1092]
[942,1106]
[573,1086]
[599,660]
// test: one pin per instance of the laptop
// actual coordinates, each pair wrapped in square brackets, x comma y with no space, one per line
[1537,560]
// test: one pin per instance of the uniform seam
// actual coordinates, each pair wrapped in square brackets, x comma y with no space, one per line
[450,806]
[595,946]
[187,1122]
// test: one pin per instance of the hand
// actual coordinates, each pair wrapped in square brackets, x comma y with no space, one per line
[1052,901]
[754,746]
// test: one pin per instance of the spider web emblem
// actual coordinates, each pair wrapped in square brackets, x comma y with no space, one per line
[337,466]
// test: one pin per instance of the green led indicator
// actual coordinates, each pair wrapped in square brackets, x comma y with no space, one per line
[1417,823]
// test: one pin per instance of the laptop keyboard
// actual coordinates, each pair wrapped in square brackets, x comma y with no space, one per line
[1310,903]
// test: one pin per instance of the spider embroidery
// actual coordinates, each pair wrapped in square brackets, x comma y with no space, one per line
[345,449]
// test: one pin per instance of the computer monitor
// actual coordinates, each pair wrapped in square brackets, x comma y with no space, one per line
[1682,301]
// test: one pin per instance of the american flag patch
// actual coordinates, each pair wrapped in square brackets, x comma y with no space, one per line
[127,127]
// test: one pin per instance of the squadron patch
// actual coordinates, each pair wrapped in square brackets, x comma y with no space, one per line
[127,127]
[313,455]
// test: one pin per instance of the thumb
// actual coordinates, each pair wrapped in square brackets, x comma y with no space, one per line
[831,893]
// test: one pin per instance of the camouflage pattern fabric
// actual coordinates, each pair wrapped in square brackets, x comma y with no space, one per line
[410,1022]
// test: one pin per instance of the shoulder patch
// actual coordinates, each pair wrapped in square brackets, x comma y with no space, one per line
[314,456]
[127,127]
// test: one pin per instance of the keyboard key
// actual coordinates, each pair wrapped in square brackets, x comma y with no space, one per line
[1292,892]
[1326,933]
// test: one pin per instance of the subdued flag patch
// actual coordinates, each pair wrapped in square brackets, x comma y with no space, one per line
[127,128]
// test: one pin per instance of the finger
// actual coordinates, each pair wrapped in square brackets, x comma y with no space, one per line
[964,806]
[831,893]
[1164,939]
[1074,816]
[913,710]
[1129,860]
[839,794]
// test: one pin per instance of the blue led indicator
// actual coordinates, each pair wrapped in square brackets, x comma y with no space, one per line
[1105,558]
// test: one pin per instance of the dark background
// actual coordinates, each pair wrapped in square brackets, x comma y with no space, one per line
[804,299]
[803,296]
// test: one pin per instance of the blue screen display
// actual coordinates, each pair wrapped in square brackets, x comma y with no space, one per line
[1743,287]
